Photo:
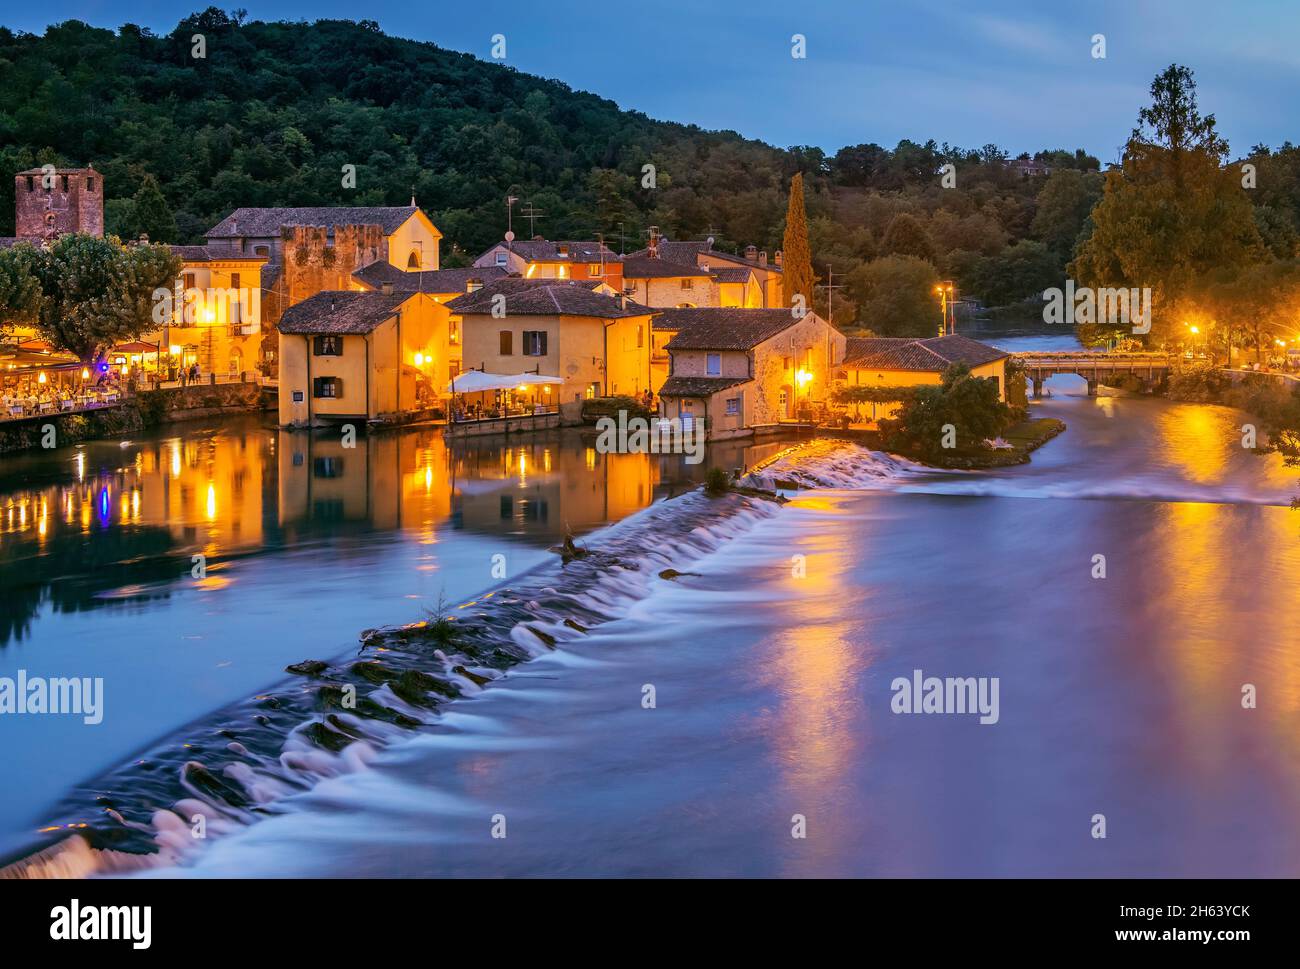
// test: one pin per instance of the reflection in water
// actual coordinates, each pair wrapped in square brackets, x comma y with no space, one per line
[110,522]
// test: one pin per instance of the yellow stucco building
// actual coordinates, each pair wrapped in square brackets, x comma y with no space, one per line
[595,341]
[361,356]
[743,369]
[910,362]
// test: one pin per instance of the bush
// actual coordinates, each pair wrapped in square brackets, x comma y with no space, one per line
[969,404]
[717,482]
[1197,383]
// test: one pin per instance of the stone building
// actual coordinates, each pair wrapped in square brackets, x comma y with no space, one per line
[51,202]
[744,370]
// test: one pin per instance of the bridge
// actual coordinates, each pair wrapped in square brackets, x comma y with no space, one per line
[1093,366]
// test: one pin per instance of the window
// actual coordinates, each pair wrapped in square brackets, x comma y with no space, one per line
[327,346]
[63,180]
[31,183]
[507,343]
[733,406]
[90,185]
[327,387]
[327,467]
[234,280]
[413,260]
[453,333]
[534,343]
[593,390]
[640,336]
[189,281]
[259,250]
[713,364]
[503,257]
[785,363]
[687,284]
[593,269]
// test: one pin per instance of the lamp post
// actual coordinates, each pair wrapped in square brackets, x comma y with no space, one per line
[947,310]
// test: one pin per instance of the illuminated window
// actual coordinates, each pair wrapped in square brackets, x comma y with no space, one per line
[327,346]
[327,387]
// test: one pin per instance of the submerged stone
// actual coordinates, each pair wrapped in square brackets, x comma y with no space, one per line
[308,667]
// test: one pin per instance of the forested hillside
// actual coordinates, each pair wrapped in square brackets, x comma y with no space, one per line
[274,111]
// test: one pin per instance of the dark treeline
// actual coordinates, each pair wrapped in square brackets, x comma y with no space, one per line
[274,111]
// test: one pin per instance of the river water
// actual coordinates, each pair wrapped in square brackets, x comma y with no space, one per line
[770,664]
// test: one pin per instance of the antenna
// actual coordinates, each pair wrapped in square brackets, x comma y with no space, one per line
[532,215]
[830,288]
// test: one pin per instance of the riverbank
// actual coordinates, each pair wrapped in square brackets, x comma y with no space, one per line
[136,413]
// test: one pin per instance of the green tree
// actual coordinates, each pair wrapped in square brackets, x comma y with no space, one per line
[94,292]
[1016,273]
[153,217]
[797,277]
[907,237]
[1063,205]
[1171,214]
[20,287]
[895,296]
[970,404]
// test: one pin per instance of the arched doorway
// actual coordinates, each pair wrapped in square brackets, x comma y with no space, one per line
[786,402]
[413,260]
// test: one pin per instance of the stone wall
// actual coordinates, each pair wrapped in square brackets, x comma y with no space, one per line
[135,414]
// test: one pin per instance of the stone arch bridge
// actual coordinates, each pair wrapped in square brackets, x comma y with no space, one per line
[1093,366]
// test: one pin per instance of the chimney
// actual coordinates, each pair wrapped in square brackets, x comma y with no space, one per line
[473,285]
[652,249]
[621,299]
[776,257]
[762,258]
[387,289]
[331,303]
[751,253]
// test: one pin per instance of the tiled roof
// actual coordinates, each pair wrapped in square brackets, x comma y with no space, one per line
[698,386]
[732,274]
[547,297]
[723,328]
[440,281]
[685,251]
[935,354]
[643,267]
[204,254]
[341,311]
[544,250]
[264,223]
[741,260]
[690,250]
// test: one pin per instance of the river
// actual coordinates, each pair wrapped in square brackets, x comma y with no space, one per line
[771,662]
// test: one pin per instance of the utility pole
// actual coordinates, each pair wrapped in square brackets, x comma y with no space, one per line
[830,288]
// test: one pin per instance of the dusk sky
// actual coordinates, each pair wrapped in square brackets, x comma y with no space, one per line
[1020,75]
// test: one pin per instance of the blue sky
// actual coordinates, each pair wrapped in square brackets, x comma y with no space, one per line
[1017,74]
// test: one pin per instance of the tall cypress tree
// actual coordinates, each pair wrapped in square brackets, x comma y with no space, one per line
[797,264]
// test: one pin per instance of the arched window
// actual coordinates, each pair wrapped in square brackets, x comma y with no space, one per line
[686,306]
[413,261]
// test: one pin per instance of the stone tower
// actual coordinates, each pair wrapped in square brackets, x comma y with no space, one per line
[49,202]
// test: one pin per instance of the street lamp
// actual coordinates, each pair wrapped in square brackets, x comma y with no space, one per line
[947,308]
